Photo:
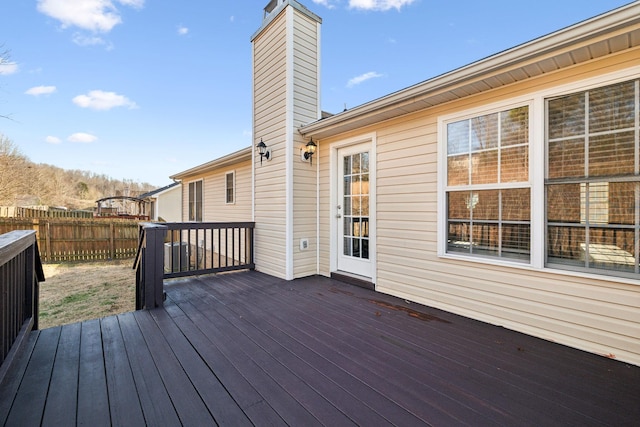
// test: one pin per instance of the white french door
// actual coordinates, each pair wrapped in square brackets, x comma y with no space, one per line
[353,210]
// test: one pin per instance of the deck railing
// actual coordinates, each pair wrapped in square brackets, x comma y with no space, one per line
[172,250]
[20,273]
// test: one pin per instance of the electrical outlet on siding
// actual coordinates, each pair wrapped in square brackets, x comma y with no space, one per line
[304,244]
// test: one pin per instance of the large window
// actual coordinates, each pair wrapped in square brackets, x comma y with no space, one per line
[230,187]
[195,201]
[487,190]
[578,210]
[593,179]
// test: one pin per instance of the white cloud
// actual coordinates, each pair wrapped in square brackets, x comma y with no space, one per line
[85,138]
[363,78]
[7,68]
[327,3]
[92,40]
[52,140]
[182,30]
[100,100]
[41,90]
[92,15]
[381,5]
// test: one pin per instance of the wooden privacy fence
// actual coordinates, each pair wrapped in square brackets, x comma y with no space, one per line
[64,239]
[18,212]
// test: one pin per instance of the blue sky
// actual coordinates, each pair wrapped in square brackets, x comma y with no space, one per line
[143,89]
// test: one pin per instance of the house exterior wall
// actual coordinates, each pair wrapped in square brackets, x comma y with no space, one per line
[595,313]
[306,101]
[270,107]
[285,91]
[169,205]
[215,208]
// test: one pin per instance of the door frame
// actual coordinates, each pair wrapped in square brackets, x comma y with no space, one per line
[366,141]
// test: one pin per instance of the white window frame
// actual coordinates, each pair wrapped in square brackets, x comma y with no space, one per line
[233,188]
[443,188]
[195,219]
[537,165]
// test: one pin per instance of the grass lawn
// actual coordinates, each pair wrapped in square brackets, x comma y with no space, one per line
[73,292]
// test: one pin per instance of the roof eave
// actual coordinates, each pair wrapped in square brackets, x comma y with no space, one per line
[427,93]
[221,162]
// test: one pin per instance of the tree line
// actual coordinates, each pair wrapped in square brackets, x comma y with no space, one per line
[25,183]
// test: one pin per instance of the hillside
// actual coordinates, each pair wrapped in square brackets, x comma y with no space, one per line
[25,183]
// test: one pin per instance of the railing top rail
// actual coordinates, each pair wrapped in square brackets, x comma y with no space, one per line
[15,242]
[153,225]
[209,225]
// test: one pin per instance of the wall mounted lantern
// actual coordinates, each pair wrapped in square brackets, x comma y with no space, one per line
[307,152]
[263,150]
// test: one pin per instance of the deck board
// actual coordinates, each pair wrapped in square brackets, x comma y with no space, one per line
[92,381]
[250,349]
[60,410]
[123,396]
[154,399]
[31,396]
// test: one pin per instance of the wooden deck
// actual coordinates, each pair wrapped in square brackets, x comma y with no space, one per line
[249,349]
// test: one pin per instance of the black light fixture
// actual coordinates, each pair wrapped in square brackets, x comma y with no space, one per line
[308,151]
[263,150]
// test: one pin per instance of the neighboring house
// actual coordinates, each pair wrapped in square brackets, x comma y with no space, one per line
[507,190]
[165,204]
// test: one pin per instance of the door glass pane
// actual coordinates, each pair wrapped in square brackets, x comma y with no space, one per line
[347,246]
[356,188]
[364,206]
[355,164]
[347,185]
[365,163]
[347,205]
[356,204]
[356,248]
[347,166]
[347,226]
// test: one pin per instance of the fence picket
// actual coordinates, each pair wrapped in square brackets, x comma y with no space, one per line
[73,239]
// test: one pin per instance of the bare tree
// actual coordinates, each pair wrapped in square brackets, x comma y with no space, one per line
[5,58]
[12,172]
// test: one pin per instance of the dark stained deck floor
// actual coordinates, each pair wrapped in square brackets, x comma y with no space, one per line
[249,349]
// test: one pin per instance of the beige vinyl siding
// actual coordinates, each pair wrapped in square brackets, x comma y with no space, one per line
[269,56]
[596,314]
[215,208]
[169,205]
[305,99]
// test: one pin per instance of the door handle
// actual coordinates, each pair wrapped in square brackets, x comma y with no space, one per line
[338,216]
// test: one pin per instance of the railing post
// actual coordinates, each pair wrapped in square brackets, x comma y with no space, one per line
[154,266]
